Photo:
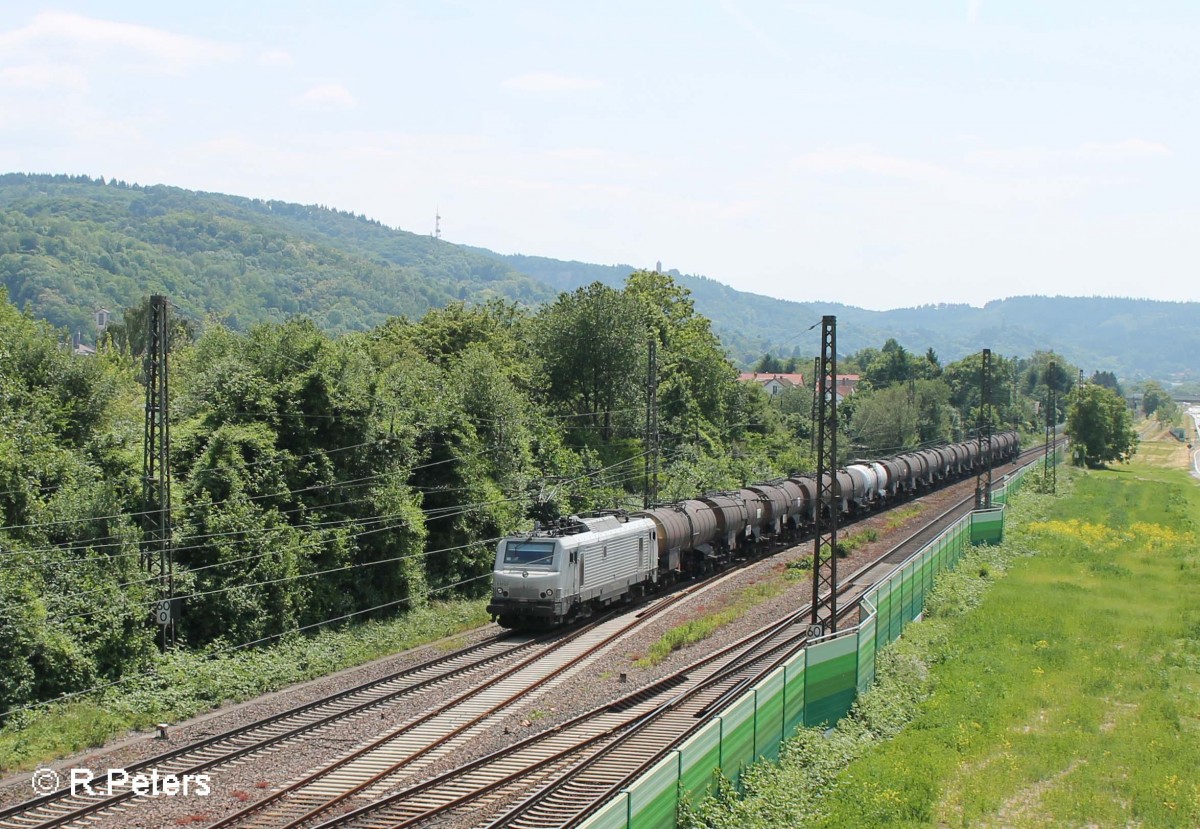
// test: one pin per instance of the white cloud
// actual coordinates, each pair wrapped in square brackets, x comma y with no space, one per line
[41,77]
[551,82]
[862,159]
[275,57]
[328,96]
[75,36]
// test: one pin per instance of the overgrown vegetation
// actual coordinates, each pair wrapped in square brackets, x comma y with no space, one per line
[897,517]
[709,621]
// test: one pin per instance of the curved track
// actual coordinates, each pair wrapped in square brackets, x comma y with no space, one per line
[409,749]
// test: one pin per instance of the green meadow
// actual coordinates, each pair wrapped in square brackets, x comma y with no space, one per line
[1055,682]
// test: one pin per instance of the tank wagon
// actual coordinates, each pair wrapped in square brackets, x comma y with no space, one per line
[572,568]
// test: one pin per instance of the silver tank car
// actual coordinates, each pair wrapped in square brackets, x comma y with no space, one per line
[866,483]
[894,472]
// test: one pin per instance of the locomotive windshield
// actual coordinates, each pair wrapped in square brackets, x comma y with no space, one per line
[525,553]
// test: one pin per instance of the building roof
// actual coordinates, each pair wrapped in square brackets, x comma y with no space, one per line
[764,377]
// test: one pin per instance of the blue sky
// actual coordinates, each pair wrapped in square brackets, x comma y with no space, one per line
[878,154]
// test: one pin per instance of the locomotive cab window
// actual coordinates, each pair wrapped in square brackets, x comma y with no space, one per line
[529,553]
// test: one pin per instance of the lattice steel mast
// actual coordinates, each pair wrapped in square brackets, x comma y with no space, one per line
[983,480]
[157,554]
[824,599]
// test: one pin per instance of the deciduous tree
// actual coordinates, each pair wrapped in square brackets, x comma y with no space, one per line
[1099,425]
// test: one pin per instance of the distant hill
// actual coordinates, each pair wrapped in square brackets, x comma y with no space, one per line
[70,245]
[1132,337]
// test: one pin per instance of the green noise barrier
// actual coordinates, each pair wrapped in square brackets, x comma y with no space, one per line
[816,687]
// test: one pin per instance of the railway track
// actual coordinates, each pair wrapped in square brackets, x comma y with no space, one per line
[61,807]
[410,749]
[559,802]
[563,749]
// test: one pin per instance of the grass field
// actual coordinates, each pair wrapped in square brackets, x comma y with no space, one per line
[1070,696]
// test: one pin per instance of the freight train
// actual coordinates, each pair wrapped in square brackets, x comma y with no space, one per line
[559,573]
